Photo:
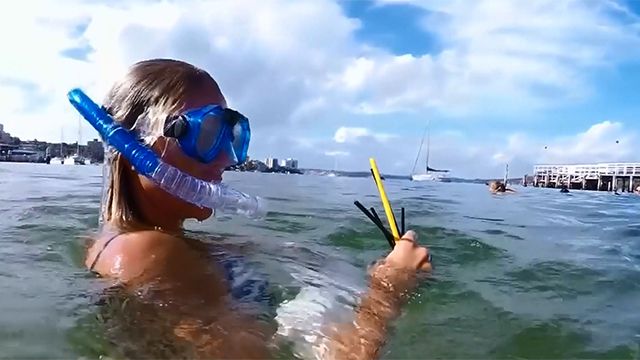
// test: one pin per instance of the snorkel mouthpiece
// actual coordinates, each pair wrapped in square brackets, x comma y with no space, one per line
[217,196]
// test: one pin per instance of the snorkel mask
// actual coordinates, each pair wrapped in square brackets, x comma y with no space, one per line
[205,133]
[201,137]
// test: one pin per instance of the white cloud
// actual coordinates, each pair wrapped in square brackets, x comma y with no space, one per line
[504,55]
[289,65]
[355,75]
[606,141]
[336,153]
[603,142]
[12,99]
[346,134]
[269,61]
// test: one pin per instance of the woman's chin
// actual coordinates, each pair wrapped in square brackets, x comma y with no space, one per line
[202,214]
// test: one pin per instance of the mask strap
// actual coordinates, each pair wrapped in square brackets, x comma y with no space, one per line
[176,127]
[231,117]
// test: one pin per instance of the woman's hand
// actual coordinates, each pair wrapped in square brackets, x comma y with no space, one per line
[409,255]
[391,281]
[397,273]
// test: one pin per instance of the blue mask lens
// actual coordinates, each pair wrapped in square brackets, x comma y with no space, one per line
[206,132]
[240,133]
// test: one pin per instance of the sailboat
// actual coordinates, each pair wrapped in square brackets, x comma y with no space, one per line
[430,174]
[335,167]
[77,158]
[61,160]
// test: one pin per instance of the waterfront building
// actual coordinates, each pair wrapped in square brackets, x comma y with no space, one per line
[5,138]
[291,163]
[95,150]
[600,176]
[272,163]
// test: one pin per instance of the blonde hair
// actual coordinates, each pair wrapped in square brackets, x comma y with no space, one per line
[150,92]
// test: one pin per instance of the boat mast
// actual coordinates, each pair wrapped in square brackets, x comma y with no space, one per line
[415,163]
[506,173]
[428,145]
[79,135]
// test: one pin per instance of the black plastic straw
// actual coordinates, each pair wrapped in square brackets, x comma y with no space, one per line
[374,177]
[377,222]
[375,214]
[387,234]
[373,217]
[368,214]
[402,221]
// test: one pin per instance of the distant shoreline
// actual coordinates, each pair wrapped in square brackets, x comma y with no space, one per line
[320,172]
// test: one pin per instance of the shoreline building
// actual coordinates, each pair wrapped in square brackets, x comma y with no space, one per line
[275,163]
[289,163]
[272,163]
[599,176]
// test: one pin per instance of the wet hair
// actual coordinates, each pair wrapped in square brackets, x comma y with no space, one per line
[150,92]
[497,186]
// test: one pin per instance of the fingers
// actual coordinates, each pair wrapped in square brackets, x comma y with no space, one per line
[408,240]
[423,257]
[427,267]
[410,236]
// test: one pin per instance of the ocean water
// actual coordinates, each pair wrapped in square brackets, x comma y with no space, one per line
[533,275]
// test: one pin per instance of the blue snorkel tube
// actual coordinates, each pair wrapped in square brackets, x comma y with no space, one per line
[201,193]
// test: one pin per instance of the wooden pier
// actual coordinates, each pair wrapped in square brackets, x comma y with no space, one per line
[599,177]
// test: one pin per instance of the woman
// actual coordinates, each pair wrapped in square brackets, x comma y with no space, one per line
[497,187]
[143,248]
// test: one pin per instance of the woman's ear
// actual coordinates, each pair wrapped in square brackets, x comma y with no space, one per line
[164,144]
[169,150]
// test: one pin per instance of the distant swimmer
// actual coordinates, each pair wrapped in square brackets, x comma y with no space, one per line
[638,190]
[496,187]
[564,189]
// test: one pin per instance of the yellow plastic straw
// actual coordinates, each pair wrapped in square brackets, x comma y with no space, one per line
[385,202]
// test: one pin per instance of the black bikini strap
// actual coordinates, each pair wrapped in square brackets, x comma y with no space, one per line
[95,260]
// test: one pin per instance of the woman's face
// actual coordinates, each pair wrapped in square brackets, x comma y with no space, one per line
[493,186]
[171,153]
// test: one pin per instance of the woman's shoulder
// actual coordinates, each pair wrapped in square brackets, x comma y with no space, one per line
[125,255]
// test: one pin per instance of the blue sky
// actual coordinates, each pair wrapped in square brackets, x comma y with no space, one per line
[396,27]
[343,80]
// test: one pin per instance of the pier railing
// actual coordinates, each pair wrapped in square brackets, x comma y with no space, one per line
[588,169]
[601,176]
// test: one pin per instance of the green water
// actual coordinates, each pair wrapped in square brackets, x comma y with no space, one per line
[533,275]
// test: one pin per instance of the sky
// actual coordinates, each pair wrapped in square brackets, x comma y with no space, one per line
[334,82]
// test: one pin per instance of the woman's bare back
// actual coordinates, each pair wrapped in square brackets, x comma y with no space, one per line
[187,290]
